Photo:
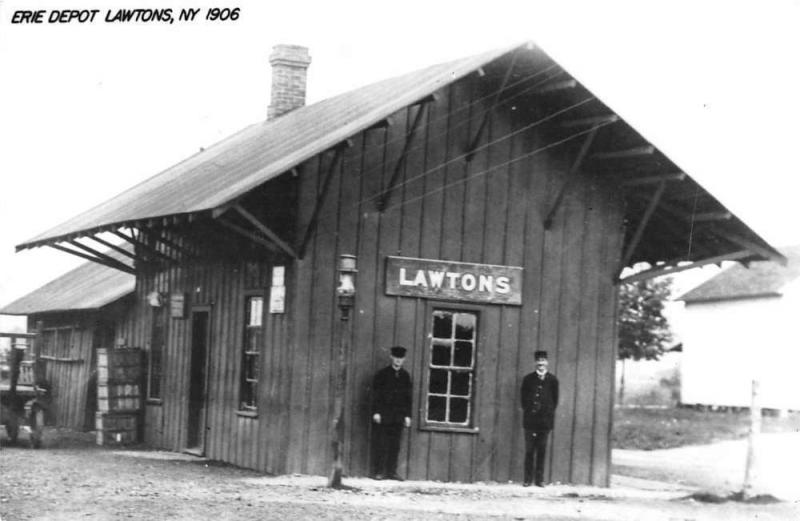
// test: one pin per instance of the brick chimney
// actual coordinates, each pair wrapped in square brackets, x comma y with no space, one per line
[289,64]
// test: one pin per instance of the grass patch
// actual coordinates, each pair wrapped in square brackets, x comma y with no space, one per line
[650,429]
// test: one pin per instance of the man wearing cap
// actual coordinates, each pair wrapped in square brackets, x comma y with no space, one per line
[391,411]
[539,401]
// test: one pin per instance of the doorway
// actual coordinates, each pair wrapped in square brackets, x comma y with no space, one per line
[198,370]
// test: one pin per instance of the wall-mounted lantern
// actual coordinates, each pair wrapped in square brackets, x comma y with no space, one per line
[346,292]
[154,299]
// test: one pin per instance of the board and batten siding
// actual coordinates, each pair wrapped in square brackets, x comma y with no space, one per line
[489,210]
[67,356]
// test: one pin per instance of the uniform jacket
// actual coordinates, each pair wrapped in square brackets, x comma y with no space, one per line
[539,401]
[391,395]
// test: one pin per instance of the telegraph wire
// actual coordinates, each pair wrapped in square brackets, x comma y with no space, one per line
[486,145]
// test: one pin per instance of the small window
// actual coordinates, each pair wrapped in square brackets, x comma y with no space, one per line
[253,338]
[158,335]
[451,369]
[49,342]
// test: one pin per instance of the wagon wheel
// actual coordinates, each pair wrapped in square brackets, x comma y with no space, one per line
[37,427]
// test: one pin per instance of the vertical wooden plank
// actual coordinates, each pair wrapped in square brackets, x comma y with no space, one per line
[385,333]
[368,291]
[569,322]
[279,435]
[218,279]
[348,242]
[430,240]
[409,323]
[302,281]
[445,446]
[549,320]
[235,341]
[587,342]
[498,356]
[324,356]
[473,225]
[606,342]
[527,191]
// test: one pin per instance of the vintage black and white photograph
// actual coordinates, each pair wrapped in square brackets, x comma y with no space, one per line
[399,260]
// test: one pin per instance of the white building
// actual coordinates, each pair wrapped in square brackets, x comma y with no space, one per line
[741,325]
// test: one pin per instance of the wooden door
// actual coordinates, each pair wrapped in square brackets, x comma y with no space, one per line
[198,371]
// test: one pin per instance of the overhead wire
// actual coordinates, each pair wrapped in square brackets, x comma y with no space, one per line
[483,146]
[505,163]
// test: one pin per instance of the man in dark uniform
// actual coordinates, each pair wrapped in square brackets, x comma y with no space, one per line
[539,401]
[391,411]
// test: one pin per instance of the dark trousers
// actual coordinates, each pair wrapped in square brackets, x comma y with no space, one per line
[387,447]
[535,452]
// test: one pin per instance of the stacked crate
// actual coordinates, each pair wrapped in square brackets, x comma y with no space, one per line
[119,395]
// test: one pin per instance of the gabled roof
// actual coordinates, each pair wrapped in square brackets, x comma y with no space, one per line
[670,218]
[236,165]
[89,286]
[759,280]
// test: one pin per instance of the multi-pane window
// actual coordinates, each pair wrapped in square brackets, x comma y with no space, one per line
[253,338]
[158,335]
[57,342]
[451,368]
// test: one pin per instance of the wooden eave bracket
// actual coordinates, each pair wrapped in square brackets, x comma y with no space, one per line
[752,246]
[674,267]
[312,223]
[137,242]
[643,222]
[169,243]
[96,256]
[263,228]
[383,201]
[568,179]
[473,144]
[114,247]
[249,234]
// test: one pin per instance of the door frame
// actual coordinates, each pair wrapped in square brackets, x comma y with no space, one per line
[200,448]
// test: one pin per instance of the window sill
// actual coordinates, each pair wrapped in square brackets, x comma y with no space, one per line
[153,401]
[454,430]
[247,414]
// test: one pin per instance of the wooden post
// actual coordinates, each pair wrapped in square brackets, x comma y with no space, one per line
[335,479]
[750,472]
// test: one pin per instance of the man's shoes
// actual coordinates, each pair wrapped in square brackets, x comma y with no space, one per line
[539,484]
[395,477]
[379,476]
[526,483]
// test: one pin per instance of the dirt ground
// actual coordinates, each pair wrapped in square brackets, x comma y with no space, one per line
[71,479]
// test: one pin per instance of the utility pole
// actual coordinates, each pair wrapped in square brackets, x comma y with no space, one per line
[751,466]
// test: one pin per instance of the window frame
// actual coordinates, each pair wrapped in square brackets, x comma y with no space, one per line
[162,313]
[243,408]
[424,423]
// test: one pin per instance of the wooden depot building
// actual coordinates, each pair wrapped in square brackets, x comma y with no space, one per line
[491,204]
[74,315]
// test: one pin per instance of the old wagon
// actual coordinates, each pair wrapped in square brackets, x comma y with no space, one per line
[23,394]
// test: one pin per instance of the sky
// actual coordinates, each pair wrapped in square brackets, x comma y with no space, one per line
[87,110]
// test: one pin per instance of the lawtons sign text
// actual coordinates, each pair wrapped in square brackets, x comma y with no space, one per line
[462,281]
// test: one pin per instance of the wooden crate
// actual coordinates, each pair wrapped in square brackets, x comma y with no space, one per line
[119,365]
[116,429]
[119,397]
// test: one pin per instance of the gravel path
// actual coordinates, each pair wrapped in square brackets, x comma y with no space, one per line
[72,479]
